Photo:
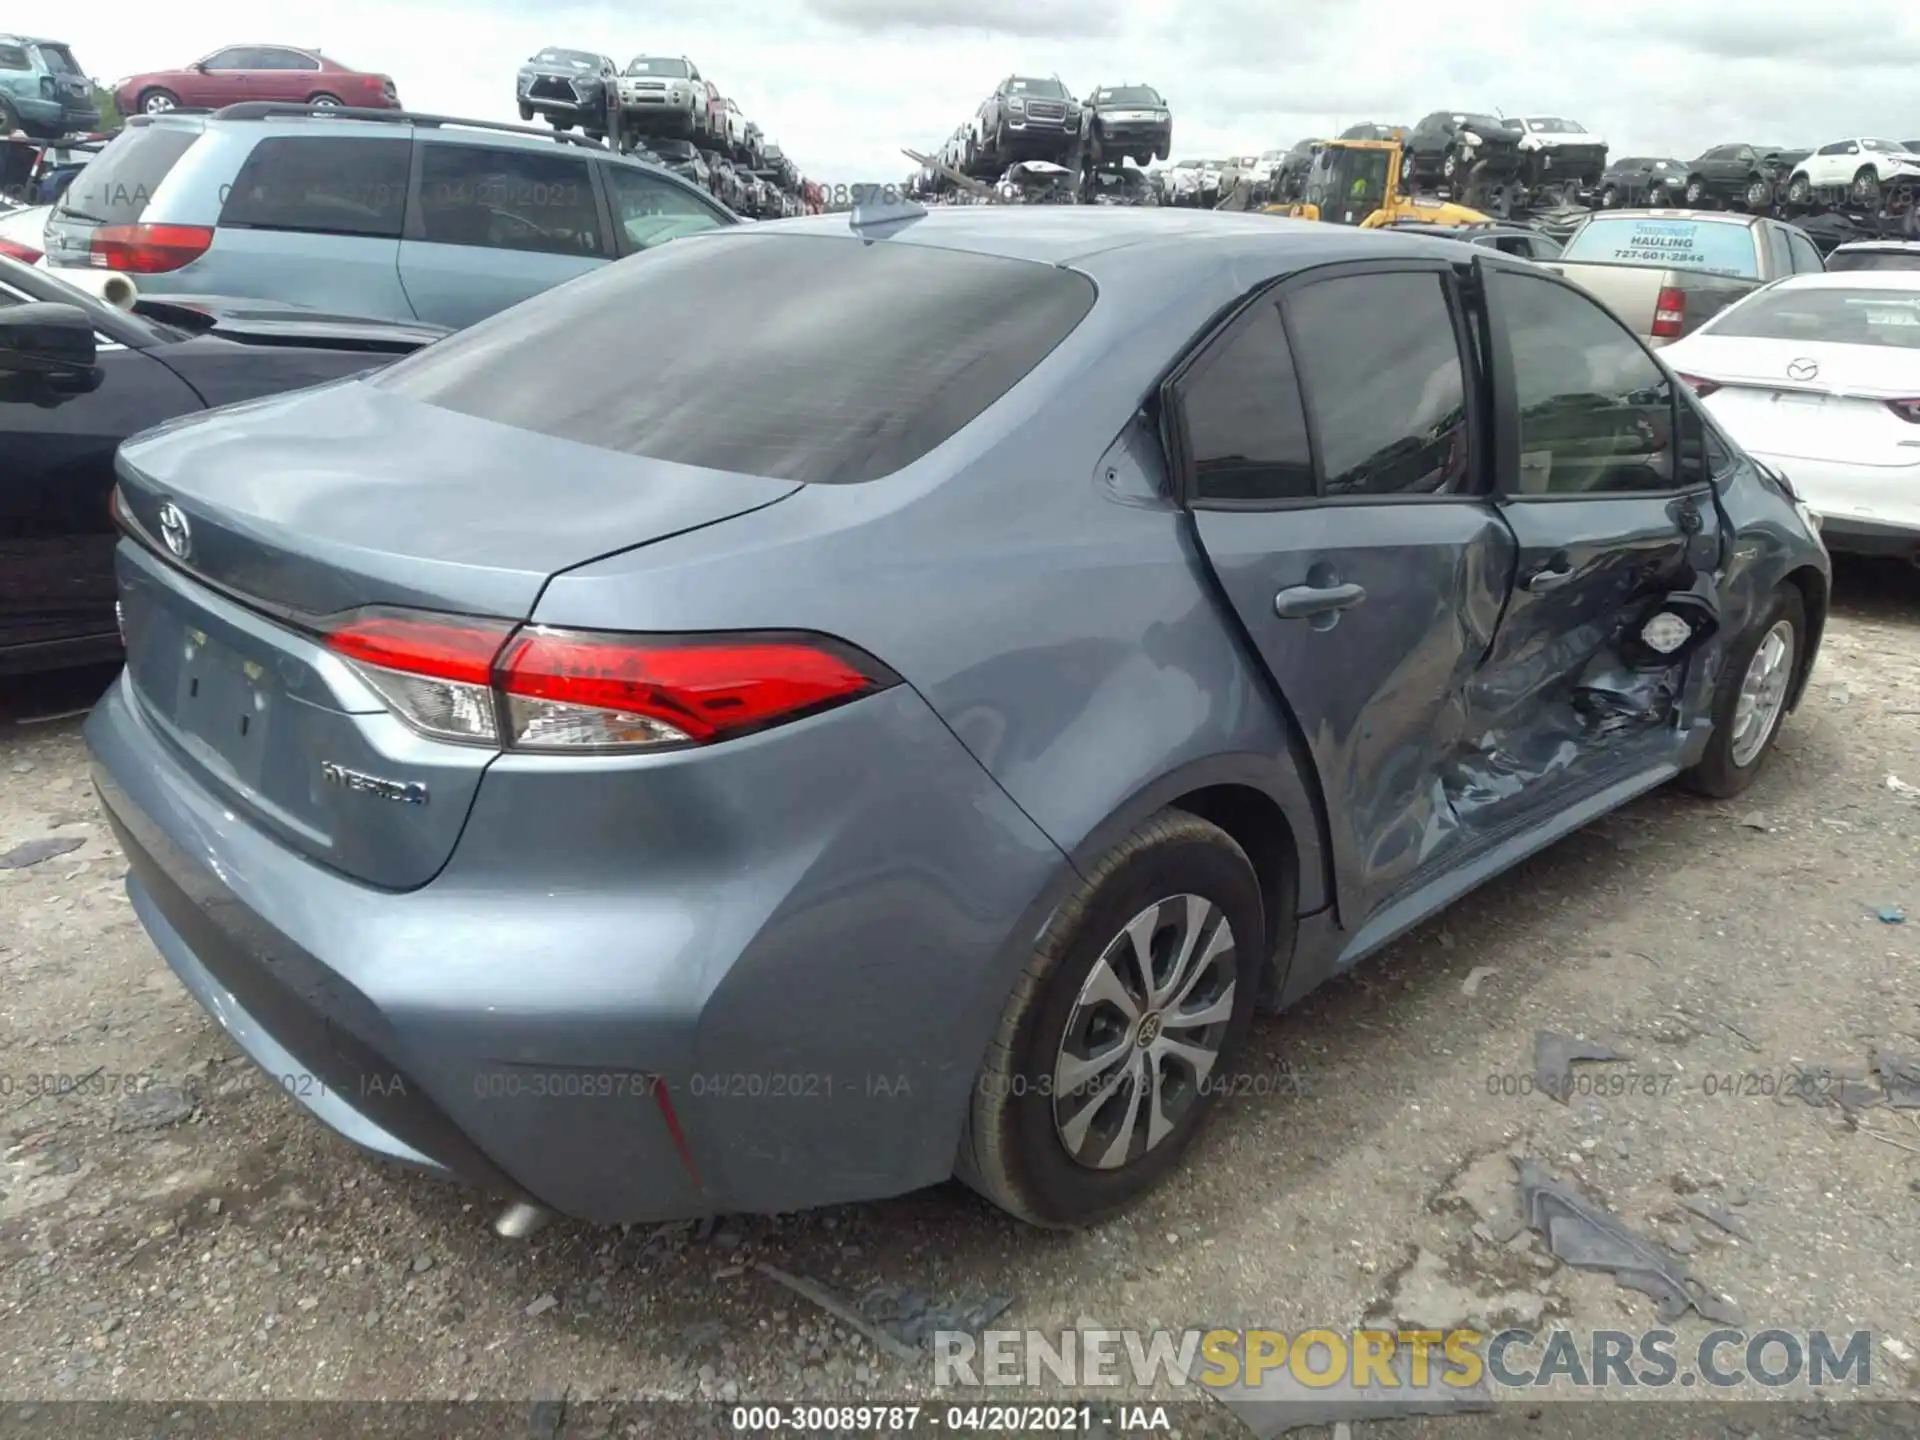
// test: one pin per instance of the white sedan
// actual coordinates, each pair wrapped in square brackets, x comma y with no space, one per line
[1819,377]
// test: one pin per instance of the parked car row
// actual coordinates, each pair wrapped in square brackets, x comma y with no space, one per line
[1037,118]
[664,104]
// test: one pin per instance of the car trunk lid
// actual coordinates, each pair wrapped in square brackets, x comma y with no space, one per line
[1804,400]
[284,512]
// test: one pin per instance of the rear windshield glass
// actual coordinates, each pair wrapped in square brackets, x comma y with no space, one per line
[1826,316]
[1875,260]
[59,59]
[117,187]
[1712,247]
[807,358]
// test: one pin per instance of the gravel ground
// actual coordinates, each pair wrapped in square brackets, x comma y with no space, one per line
[175,1229]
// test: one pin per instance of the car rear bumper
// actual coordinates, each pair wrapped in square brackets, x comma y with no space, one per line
[624,997]
[1862,508]
[68,118]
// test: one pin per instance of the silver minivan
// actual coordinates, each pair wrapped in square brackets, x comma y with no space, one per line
[376,213]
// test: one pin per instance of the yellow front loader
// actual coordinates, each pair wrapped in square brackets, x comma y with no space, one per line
[1357,182]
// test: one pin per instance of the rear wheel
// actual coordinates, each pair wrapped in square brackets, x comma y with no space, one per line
[1799,189]
[324,101]
[1120,1031]
[157,102]
[1696,195]
[1759,193]
[1752,698]
[1609,197]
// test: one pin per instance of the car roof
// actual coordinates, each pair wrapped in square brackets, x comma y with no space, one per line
[1724,217]
[451,127]
[1156,240]
[1897,247]
[29,39]
[1908,280]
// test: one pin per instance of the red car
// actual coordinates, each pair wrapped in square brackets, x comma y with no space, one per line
[254,72]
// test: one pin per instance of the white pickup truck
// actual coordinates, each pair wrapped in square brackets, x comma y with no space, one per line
[1665,272]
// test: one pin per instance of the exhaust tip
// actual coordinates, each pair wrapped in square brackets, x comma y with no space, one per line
[521,1219]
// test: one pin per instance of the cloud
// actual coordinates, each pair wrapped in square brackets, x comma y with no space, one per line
[843,84]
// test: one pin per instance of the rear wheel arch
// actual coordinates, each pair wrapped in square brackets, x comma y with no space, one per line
[1259,827]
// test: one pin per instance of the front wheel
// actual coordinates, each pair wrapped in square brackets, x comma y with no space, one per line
[526,112]
[1121,1030]
[1799,189]
[1751,699]
[1866,188]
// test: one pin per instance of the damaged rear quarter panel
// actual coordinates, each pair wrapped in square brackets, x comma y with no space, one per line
[1766,544]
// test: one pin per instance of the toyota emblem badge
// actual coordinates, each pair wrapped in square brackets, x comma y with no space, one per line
[175,531]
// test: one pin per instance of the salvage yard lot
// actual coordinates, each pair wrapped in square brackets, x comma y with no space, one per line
[172,1227]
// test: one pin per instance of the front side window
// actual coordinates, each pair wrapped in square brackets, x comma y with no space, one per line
[234,59]
[330,185]
[808,358]
[649,210]
[508,200]
[1596,410]
[1246,427]
[1380,366]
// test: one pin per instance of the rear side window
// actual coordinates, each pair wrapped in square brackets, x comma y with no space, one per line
[328,185]
[122,180]
[798,357]
[508,200]
[1381,368]
[13,57]
[1713,247]
[1246,428]
[1875,260]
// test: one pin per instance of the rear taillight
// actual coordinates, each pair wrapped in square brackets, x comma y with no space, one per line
[14,250]
[148,249]
[573,691]
[1669,313]
[1700,387]
[1907,410]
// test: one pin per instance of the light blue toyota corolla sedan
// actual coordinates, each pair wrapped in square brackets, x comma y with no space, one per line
[912,730]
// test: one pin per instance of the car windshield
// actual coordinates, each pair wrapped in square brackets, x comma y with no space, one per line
[578,59]
[1352,177]
[1874,260]
[651,65]
[1713,247]
[1045,89]
[1823,315]
[807,358]
[1127,95]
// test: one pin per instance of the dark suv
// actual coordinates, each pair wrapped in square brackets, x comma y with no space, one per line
[569,88]
[1454,147]
[1127,121]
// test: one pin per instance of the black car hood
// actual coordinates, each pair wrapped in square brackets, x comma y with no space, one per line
[274,322]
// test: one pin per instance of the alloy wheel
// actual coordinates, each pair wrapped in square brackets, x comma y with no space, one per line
[1145,1032]
[1763,693]
[158,104]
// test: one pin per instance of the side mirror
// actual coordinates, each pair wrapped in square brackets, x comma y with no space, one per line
[199,66]
[47,338]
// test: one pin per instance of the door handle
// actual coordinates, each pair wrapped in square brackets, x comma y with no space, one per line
[1300,602]
[1549,578]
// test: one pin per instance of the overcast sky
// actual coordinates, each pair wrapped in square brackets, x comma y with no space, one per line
[843,84]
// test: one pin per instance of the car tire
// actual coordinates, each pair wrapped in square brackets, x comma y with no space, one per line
[526,112]
[1609,197]
[156,101]
[1760,670]
[1759,194]
[1799,188]
[1866,187]
[325,101]
[1015,1150]
[1696,193]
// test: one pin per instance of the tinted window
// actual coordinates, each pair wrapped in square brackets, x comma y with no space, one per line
[808,358]
[508,200]
[1596,411]
[329,185]
[1779,258]
[1822,315]
[1245,426]
[649,210]
[1715,247]
[286,60]
[1383,381]
[13,57]
[117,187]
[1875,260]
[235,59]
[1805,257]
